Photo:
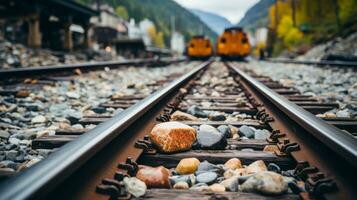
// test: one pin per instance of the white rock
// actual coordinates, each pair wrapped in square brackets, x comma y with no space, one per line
[38,119]
[73,95]
[135,186]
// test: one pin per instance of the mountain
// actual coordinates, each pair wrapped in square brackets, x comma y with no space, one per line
[257,15]
[161,12]
[215,22]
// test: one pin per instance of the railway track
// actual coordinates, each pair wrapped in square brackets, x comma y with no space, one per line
[237,121]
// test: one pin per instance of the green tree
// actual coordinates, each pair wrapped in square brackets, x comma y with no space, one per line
[122,12]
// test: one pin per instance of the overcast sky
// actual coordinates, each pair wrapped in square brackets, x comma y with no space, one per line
[233,10]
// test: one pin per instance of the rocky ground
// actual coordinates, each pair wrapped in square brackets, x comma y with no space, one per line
[33,113]
[17,55]
[330,84]
[338,48]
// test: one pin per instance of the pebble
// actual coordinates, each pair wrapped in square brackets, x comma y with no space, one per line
[233,163]
[268,183]
[271,148]
[196,111]
[217,117]
[225,130]
[38,119]
[170,137]
[255,167]
[134,186]
[73,95]
[4,134]
[14,141]
[11,155]
[231,184]
[181,116]
[206,166]
[246,131]
[154,177]
[99,110]
[187,166]
[207,178]
[201,187]
[274,167]
[343,114]
[217,188]
[189,179]
[181,186]
[211,140]
[261,134]
[206,127]
[232,173]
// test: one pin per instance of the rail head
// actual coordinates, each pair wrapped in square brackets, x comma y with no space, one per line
[335,139]
[33,71]
[42,178]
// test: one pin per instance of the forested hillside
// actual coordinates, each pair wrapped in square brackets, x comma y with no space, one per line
[161,13]
[215,22]
[306,23]
[257,15]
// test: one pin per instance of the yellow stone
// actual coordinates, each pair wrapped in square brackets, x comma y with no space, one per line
[271,148]
[257,166]
[181,116]
[217,188]
[187,166]
[233,163]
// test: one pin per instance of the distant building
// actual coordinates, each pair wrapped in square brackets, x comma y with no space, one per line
[145,26]
[177,43]
[108,27]
[261,36]
[134,31]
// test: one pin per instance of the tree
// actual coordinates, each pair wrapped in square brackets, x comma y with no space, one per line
[159,40]
[122,12]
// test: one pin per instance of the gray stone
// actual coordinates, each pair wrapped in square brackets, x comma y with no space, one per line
[201,187]
[11,155]
[205,166]
[246,131]
[14,141]
[38,119]
[207,178]
[217,117]
[211,140]
[135,186]
[73,95]
[261,134]
[225,130]
[196,111]
[268,183]
[343,113]
[231,184]
[189,179]
[274,167]
[4,134]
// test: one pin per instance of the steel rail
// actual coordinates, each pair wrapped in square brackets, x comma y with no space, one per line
[30,71]
[335,139]
[320,63]
[42,178]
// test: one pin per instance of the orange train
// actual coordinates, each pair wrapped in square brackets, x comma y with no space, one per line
[232,44]
[199,47]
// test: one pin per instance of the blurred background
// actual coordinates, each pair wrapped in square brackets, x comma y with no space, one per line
[39,32]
